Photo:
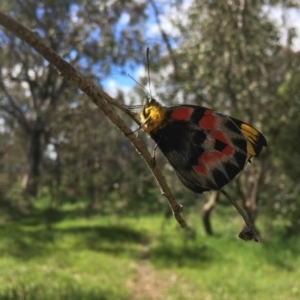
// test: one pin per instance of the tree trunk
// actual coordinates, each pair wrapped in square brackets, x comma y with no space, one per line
[31,177]
[206,211]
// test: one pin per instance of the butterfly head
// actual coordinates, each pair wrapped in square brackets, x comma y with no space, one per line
[152,115]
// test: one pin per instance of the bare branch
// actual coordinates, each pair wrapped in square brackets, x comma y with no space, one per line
[99,97]
[165,38]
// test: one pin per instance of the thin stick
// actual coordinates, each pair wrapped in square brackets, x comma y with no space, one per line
[244,234]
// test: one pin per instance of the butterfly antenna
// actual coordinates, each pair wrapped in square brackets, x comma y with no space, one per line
[148,67]
[138,84]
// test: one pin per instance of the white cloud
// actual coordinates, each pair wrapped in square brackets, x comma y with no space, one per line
[112,87]
[124,19]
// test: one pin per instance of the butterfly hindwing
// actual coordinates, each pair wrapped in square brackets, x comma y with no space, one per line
[206,149]
[255,140]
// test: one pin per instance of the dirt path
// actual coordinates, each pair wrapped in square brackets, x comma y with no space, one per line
[148,284]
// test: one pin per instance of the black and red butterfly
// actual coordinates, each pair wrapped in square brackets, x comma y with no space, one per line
[207,149]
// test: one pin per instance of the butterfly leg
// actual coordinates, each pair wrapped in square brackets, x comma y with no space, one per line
[134,131]
[140,127]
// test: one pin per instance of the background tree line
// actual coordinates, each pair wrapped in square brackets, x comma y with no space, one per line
[225,55]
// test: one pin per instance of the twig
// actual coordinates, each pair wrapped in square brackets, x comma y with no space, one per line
[245,234]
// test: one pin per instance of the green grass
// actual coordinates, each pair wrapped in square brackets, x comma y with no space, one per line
[109,257]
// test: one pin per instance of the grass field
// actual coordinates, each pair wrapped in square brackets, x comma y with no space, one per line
[109,257]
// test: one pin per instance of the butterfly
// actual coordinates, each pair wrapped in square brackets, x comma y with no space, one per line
[207,149]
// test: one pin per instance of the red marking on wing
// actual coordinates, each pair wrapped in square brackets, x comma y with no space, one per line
[219,135]
[206,157]
[228,151]
[182,113]
[200,168]
[208,121]
[217,154]
[207,160]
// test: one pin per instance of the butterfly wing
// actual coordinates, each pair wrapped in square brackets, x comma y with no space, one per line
[206,149]
[255,140]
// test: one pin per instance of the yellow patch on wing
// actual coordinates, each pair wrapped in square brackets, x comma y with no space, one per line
[252,136]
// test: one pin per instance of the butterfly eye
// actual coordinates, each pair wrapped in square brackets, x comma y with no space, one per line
[151,101]
[148,101]
[146,113]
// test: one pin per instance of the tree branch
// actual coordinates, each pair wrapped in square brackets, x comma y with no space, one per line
[165,38]
[99,97]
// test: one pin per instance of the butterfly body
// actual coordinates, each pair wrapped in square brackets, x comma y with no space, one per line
[207,149]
